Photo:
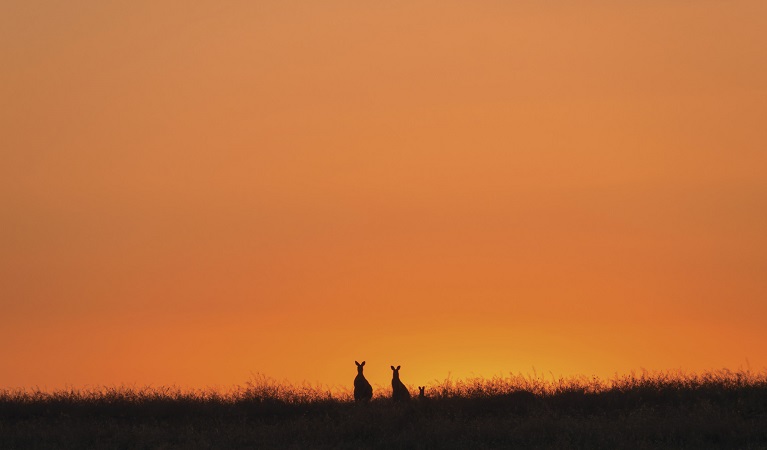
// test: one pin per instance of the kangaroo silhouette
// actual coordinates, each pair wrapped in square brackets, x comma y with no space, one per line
[399,391]
[363,391]
[421,393]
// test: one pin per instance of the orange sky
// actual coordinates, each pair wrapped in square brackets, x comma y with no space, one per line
[195,191]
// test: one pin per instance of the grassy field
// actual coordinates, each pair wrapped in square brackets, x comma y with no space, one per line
[712,410]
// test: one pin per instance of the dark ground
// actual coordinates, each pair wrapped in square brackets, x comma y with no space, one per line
[712,411]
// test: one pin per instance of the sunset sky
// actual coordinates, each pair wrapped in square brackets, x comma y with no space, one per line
[192,192]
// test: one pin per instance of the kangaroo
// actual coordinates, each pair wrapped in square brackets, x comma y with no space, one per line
[421,393]
[399,391]
[363,391]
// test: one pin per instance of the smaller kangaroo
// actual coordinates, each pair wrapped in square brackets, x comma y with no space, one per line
[421,393]
[363,391]
[399,391]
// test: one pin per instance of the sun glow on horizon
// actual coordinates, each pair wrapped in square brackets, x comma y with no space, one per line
[194,193]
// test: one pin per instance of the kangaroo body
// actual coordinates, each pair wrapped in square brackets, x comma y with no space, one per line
[363,391]
[399,391]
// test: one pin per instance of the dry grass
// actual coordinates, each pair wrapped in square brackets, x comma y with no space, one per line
[722,409]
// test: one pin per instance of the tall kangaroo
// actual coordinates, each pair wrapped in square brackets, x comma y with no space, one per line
[363,391]
[399,391]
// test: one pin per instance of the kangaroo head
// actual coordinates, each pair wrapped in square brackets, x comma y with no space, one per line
[396,371]
[359,366]
[421,392]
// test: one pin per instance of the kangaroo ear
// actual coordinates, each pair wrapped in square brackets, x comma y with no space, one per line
[355,362]
[392,368]
[398,367]
[363,363]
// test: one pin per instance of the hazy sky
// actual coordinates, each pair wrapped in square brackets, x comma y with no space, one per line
[194,191]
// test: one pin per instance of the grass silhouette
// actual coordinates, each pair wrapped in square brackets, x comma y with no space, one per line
[721,409]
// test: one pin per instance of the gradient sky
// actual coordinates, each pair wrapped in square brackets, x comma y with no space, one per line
[192,192]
